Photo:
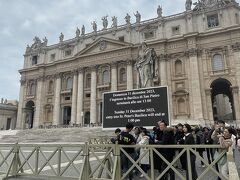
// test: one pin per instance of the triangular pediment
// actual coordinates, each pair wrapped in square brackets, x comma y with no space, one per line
[103,45]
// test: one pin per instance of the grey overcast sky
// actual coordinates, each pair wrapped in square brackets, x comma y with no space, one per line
[21,20]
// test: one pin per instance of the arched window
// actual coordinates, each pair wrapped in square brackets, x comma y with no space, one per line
[105,77]
[181,106]
[88,80]
[178,67]
[50,86]
[122,75]
[69,83]
[217,62]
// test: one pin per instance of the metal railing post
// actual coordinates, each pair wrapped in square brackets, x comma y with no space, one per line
[36,160]
[233,172]
[59,160]
[15,160]
[84,174]
[189,164]
[117,163]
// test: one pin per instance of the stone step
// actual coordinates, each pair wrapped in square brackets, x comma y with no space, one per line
[55,135]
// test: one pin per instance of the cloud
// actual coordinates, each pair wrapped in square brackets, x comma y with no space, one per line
[26,24]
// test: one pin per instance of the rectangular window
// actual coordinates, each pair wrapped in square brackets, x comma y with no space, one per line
[88,95]
[52,57]
[68,52]
[212,21]
[67,98]
[176,30]
[34,60]
[149,35]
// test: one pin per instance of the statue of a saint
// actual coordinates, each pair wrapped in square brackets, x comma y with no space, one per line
[188,5]
[146,66]
[36,43]
[28,48]
[105,22]
[159,11]
[138,17]
[77,32]
[114,21]
[94,26]
[83,30]
[61,37]
[127,18]
[2,100]
[45,41]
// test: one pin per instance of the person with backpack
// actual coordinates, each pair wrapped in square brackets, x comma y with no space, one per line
[125,138]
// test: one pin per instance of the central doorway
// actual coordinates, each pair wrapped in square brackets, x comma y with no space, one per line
[67,115]
[222,100]
[87,118]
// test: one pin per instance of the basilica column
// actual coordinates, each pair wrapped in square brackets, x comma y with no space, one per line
[209,105]
[20,115]
[114,76]
[38,116]
[195,85]
[235,91]
[93,101]
[57,96]
[74,98]
[80,97]
[129,75]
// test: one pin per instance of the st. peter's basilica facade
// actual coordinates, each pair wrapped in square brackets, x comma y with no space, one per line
[198,58]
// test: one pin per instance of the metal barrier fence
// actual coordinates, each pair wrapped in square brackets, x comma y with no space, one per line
[100,161]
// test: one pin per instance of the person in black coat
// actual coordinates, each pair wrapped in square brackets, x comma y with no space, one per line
[189,139]
[168,153]
[158,139]
[179,140]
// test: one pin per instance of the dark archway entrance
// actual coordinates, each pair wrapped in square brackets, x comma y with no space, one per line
[66,115]
[29,114]
[87,118]
[222,100]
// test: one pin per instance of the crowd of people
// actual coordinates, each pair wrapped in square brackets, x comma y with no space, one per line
[181,134]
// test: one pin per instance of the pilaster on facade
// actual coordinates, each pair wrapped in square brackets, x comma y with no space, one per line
[189,21]
[235,92]
[195,84]
[114,81]
[163,69]
[129,74]
[208,93]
